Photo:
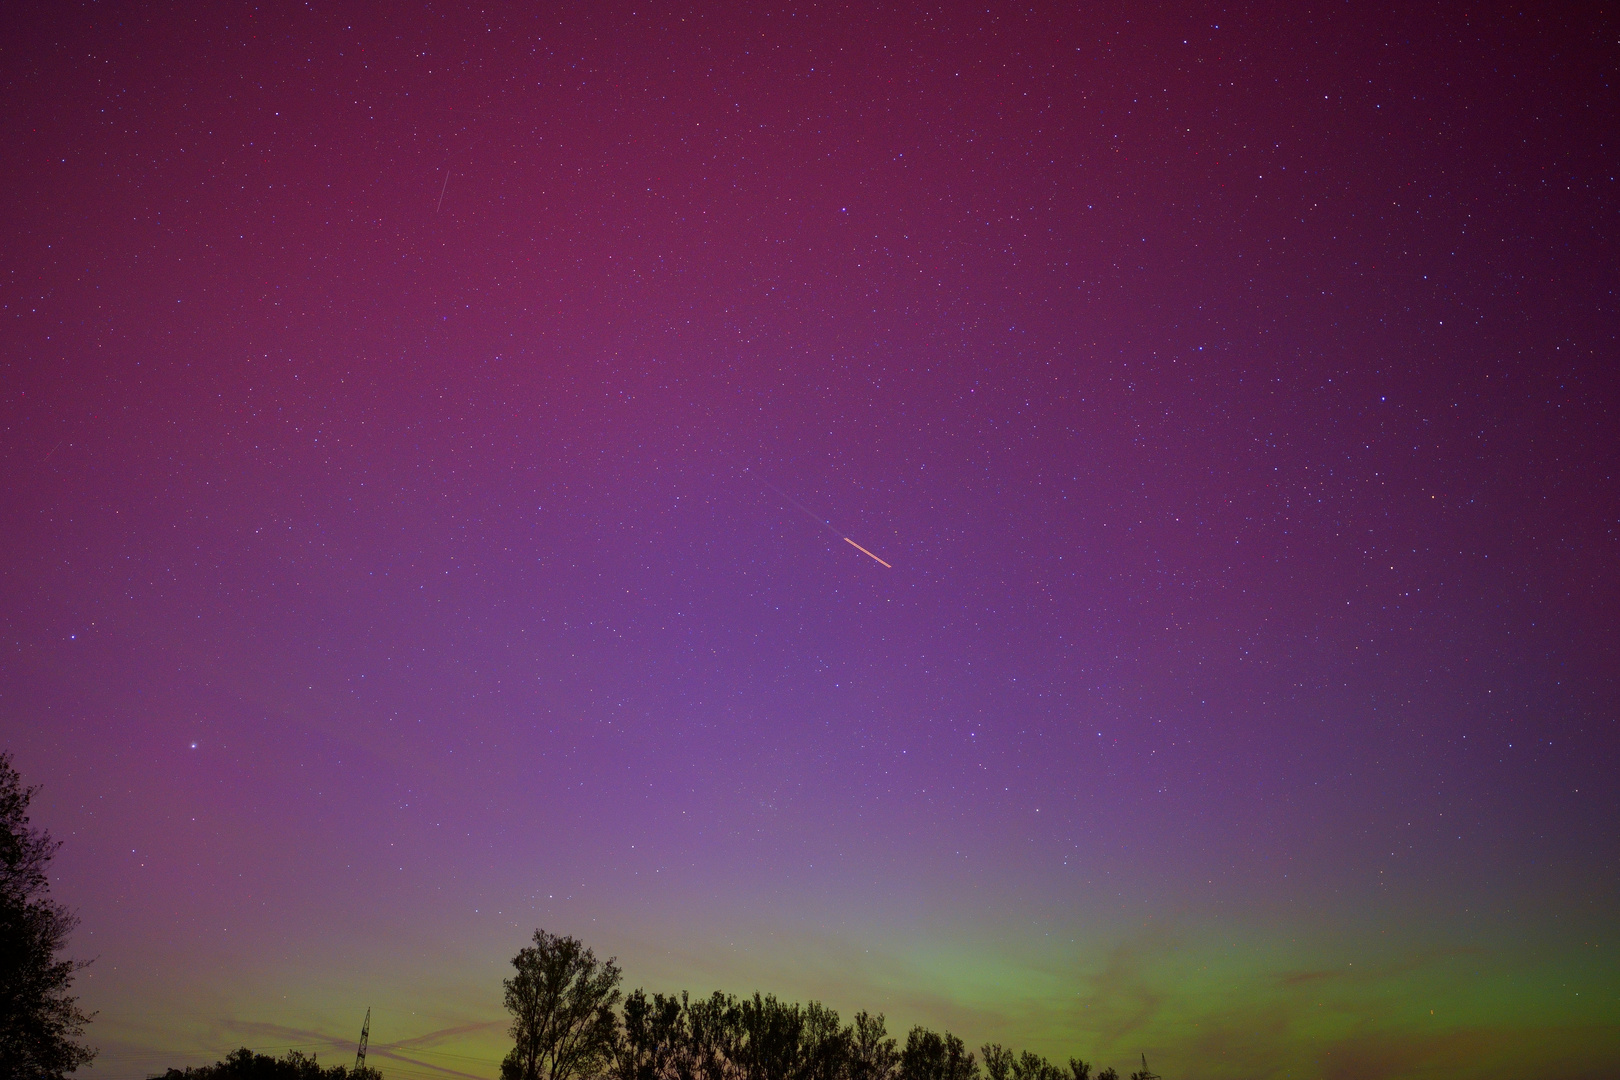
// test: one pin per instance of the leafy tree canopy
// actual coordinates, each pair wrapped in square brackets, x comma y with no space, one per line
[561,1000]
[40,1021]
[244,1064]
[564,1026]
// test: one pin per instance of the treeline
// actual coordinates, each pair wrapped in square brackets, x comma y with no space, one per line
[244,1064]
[570,1021]
[664,1037]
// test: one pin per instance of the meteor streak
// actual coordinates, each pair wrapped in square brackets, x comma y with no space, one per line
[863,551]
[821,521]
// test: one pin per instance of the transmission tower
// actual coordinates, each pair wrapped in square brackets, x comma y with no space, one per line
[365,1037]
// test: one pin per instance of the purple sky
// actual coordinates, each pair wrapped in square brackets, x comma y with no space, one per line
[415,423]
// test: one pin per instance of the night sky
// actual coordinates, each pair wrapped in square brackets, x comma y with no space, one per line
[429,436]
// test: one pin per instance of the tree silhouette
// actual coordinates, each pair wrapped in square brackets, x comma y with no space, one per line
[825,1045]
[1029,1066]
[565,1028]
[561,1001]
[244,1064]
[931,1056]
[770,1047]
[40,1022]
[652,1036]
[872,1054]
[997,1062]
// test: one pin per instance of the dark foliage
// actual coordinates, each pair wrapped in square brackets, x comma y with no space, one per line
[931,1056]
[244,1064]
[721,1037]
[872,1054]
[1000,1064]
[561,1001]
[652,1033]
[826,1046]
[760,1038]
[40,1021]
[997,1062]
[1028,1066]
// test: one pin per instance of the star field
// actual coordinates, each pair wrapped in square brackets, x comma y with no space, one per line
[429,438]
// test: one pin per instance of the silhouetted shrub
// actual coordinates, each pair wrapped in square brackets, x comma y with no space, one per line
[244,1064]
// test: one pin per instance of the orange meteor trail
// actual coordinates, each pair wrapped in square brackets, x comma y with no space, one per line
[863,551]
[820,520]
